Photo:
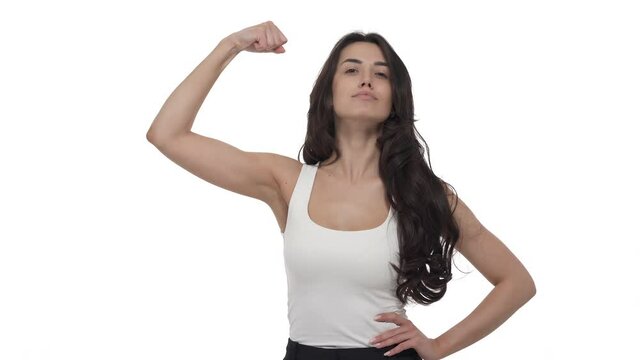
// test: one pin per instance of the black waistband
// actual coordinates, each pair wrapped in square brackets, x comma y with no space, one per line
[296,351]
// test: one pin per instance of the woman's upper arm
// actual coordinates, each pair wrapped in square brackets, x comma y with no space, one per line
[483,249]
[246,173]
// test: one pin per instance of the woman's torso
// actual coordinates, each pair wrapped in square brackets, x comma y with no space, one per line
[334,203]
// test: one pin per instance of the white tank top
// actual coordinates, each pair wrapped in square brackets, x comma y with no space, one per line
[337,280]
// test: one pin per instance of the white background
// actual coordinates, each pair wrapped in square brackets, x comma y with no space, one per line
[108,250]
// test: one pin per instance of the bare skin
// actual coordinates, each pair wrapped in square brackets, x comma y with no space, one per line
[349,194]
[350,187]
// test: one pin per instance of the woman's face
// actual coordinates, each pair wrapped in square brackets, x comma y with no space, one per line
[362,67]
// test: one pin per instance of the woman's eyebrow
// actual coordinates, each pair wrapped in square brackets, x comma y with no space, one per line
[379,63]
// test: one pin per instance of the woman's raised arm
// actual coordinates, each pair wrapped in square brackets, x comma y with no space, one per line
[246,173]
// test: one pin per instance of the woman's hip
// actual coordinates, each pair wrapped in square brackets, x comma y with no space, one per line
[297,351]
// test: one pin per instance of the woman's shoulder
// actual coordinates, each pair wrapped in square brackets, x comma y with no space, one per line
[285,171]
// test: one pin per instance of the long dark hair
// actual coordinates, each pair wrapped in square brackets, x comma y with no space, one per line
[427,230]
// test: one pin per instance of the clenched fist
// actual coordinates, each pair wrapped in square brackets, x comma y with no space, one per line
[264,37]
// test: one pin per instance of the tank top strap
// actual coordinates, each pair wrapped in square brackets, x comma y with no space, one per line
[302,191]
[299,201]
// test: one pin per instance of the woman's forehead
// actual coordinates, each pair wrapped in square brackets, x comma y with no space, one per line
[360,52]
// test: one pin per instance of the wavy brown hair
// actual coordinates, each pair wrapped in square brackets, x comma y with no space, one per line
[427,230]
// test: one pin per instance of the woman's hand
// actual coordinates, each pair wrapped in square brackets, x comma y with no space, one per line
[407,336]
[265,37]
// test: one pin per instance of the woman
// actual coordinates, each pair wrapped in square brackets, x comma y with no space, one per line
[367,225]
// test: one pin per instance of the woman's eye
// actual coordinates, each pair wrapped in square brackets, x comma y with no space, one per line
[379,74]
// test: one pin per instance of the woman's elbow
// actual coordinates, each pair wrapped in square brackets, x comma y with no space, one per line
[532,289]
[528,285]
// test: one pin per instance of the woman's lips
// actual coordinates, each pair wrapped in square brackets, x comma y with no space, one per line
[365,97]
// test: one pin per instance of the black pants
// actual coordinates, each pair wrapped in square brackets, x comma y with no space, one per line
[297,351]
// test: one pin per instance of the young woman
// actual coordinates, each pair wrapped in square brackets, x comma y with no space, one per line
[367,225]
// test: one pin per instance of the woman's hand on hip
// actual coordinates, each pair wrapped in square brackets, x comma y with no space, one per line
[407,336]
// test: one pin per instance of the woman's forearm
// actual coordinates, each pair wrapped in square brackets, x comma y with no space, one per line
[505,298]
[179,111]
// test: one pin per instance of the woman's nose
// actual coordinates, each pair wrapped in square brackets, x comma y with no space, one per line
[365,78]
